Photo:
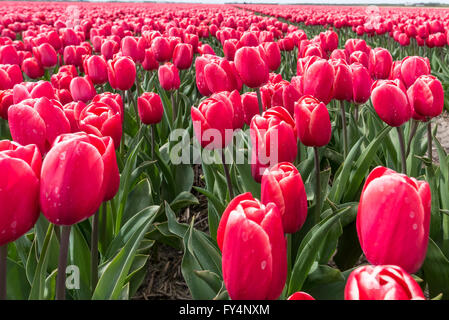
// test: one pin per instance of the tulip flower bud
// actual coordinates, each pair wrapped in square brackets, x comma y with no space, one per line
[380,63]
[283,186]
[229,49]
[162,49]
[360,57]
[6,100]
[37,121]
[273,140]
[382,283]
[413,67]
[32,68]
[215,74]
[104,145]
[250,106]
[390,103]
[183,56]
[393,219]
[82,89]
[300,296]
[168,76]
[273,54]
[100,119]
[96,68]
[426,96]
[133,48]
[213,122]
[319,80]
[236,101]
[8,55]
[312,122]
[150,108]
[251,67]
[361,83]
[252,241]
[46,55]
[150,62]
[109,47]
[19,189]
[71,188]
[343,80]
[10,75]
[121,73]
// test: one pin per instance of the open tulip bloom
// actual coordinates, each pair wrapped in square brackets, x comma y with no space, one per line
[270,152]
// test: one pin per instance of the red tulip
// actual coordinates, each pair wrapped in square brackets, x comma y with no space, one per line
[71,187]
[169,77]
[121,73]
[273,54]
[254,259]
[162,49]
[214,74]
[37,121]
[413,67]
[283,186]
[426,96]
[250,106]
[229,49]
[300,296]
[100,119]
[19,189]
[10,74]
[273,140]
[361,83]
[8,55]
[82,89]
[312,122]
[32,68]
[213,122]
[46,55]
[343,87]
[382,283]
[251,66]
[150,108]
[380,63]
[319,80]
[109,47]
[360,57]
[393,219]
[133,48]
[183,56]
[150,62]
[6,100]
[96,68]
[390,103]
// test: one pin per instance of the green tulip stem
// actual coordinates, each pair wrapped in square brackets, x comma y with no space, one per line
[289,256]
[62,263]
[3,258]
[345,131]
[173,106]
[152,131]
[134,103]
[228,176]
[122,140]
[317,186]
[259,100]
[429,139]
[414,127]
[94,250]
[402,146]
[356,113]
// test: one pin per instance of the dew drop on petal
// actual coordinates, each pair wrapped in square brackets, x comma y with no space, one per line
[263,265]
[415,226]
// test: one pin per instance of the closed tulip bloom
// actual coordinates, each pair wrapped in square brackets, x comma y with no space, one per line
[113,100]
[386,282]
[319,80]
[109,47]
[100,119]
[19,189]
[339,54]
[150,108]
[273,54]
[46,55]
[9,55]
[229,49]
[6,100]
[168,76]
[391,103]
[183,56]
[214,74]
[150,62]
[251,67]
[300,296]
[162,49]
[32,68]
[71,186]
[393,219]
[213,122]
[273,140]
[380,63]
[237,108]
[426,96]
[361,83]
[253,247]
[37,121]
[360,57]
[10,74]
[250,106]
[312,122]
[283,186]
[72,112]
[343,80]
[122,73]
[105,146]
[133,48]
[96,68]
[82,89]
[412,68]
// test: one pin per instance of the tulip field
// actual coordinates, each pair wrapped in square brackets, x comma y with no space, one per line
[277,152]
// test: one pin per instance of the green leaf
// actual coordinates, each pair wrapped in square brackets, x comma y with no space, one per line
[18,287]
[183,200]
[79,255]
[308,250]
[436,270]
[138,199]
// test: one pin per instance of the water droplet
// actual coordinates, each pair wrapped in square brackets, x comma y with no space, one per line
[263,265]
[415,226]
[245,236]
[14,224]
[62,156]
[412,214]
